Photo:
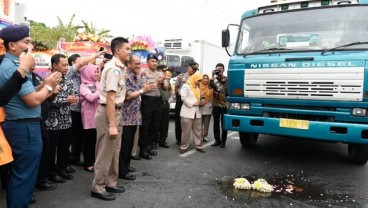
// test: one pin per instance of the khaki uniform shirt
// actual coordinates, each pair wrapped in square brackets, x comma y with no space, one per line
[147,76]
[181,80]
[113,79]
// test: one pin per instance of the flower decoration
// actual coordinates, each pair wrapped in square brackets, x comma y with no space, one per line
[91,38]
[142,43]
[242,183]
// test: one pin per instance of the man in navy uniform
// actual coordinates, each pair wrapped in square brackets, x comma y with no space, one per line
[23,116]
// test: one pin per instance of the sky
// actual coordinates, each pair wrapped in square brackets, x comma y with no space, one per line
[160,19]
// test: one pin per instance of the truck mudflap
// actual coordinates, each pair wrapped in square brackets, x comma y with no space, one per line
[325,131]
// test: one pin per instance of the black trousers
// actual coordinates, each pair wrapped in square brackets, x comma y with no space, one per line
[89,147]
[151,119]
[218,116]
[77,136]
[178,105]
[165,116]
[43,169]
[59,150]
[127,141]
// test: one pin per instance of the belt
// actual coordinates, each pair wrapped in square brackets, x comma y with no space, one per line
[116,106]
[26,120]
[155,98]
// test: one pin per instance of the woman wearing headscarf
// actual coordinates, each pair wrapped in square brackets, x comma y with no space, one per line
[206,109]
[89,94]
[190,114]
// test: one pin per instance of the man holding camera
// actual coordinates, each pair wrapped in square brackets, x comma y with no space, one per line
[219,85]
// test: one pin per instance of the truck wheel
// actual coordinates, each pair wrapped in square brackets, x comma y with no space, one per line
[248,139]
[358,153]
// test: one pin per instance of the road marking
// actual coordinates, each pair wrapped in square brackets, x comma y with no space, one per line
[186,154]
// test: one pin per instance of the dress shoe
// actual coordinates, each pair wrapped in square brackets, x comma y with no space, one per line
[182,151]
[145,156]
[89,169]
[46,186]
[33,199]
[201,150]
[115,189]
[131,169]
[154,146]
[135,158]
[56,179]
[70,169]
[152,152]
[164,145]
[223,145]
[127,176]
[104,196]
[65,175]
[216,144]
[178,143]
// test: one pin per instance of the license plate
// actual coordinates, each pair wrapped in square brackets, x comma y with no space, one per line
[293,123]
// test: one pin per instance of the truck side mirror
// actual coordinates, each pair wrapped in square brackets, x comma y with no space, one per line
[225,38]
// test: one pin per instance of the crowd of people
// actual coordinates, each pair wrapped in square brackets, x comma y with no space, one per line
[104,112]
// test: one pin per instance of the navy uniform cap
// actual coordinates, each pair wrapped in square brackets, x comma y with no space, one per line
[14,33]
[151,56]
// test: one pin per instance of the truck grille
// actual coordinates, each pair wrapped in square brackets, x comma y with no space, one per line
[345,83]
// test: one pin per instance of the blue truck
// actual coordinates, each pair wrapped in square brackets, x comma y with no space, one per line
[300,69]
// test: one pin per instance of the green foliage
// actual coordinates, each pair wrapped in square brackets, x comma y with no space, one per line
[44,38]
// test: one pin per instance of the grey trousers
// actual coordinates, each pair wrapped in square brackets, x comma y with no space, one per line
[205,125]
[187,126]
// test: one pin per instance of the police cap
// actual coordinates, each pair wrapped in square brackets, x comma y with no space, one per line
[151,56]
[14,33]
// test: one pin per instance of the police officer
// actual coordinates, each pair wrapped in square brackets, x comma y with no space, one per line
[108,125]
[150,107]
[23,115]
[180,81]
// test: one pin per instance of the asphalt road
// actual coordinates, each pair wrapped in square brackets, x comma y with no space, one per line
[319,173]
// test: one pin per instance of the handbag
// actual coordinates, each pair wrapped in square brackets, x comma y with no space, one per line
[6,155]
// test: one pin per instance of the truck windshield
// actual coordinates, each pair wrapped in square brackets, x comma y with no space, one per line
[305,30]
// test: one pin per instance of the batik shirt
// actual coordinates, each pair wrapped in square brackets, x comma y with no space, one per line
[219,91]
[59,114]
[132,108]
[76,79]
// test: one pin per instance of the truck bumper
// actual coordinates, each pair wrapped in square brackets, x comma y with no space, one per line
[325,131]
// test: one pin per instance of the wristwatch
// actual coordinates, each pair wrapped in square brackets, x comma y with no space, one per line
[141,91]
[49,88]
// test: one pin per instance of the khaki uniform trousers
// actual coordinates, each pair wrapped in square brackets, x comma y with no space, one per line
[107,152]
[135,144]
[187,125]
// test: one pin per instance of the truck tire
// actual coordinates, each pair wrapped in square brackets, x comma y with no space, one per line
[358,153]
[248,139]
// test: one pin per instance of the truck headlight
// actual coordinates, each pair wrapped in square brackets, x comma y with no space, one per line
[235,106]
[359,112]
[245,106]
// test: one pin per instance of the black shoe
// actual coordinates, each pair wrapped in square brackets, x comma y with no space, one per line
[182,151]
[127,176]
[135,158]
[131,169]
[216,144]
[201,150]
[145,156]
[104,196]
[223,145]
[33,199]
[65,175]
[154,146]
[164,145]
[178,143]
[115,189]
[46,186]
[70,169]
[152,152]
[56,179]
